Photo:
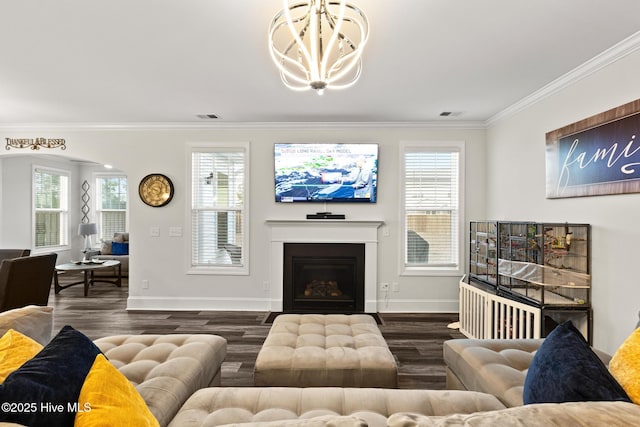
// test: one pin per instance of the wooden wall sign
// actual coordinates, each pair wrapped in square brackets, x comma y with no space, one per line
[595,156]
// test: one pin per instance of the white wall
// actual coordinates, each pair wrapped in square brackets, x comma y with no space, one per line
[17,216]
[516,191]
[163,260]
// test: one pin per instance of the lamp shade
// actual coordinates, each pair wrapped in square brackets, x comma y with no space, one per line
[88,229]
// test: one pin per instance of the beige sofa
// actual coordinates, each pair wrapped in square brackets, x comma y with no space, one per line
[106,253]
[165,369]
[488,377]
[178,378]
[497,367]
[253,406]
[619,414]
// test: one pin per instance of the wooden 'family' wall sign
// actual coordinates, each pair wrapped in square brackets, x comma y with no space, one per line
[596,156]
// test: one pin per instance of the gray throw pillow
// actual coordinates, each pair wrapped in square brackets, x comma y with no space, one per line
[105,249]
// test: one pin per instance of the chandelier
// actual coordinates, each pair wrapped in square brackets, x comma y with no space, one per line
[317,44]
[35,144]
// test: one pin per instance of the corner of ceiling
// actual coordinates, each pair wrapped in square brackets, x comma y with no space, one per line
[609,56]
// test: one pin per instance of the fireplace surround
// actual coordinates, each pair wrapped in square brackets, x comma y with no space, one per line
[361,232]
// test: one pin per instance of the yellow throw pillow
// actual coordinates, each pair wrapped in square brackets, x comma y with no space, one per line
[107,398]
[625,366]
[15,349]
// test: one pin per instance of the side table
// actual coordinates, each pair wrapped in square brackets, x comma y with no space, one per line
[88,268]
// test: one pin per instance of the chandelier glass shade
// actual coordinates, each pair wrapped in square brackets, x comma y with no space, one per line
[317,44]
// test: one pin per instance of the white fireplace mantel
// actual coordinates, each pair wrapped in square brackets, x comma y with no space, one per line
[325,231]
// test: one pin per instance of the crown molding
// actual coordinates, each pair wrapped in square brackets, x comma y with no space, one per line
[609,56]
[595,64]
[73,127]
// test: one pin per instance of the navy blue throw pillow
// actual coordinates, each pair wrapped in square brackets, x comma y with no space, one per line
[45,390]
[119,248]
[565,369]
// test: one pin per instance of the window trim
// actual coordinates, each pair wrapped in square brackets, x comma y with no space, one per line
[458,270]
[230,270]
[65,233]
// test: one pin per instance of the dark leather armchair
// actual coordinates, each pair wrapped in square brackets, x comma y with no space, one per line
[26,280]
[13,253]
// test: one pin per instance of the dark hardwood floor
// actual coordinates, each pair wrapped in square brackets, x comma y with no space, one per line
[415,339]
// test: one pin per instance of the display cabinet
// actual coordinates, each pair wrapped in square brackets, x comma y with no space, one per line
[543,265]
[483,251]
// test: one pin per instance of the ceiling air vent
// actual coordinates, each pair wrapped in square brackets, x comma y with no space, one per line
[450,113]
[208,116]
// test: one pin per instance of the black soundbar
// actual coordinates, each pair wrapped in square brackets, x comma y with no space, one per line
[325,215]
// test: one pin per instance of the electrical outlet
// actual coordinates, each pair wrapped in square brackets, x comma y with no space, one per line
[265,285]
[145,284]
[395,287]
[384,286]
[175,231]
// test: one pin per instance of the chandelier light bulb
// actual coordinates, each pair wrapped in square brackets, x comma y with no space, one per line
[317,44]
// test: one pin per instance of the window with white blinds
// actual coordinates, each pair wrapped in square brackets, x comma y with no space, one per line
[111,206]
[219,176]
[51,207]
[432,203]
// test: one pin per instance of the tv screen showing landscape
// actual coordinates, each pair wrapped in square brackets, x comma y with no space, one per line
[326,172]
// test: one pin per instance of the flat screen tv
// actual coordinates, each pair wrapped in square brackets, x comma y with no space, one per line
[326,172]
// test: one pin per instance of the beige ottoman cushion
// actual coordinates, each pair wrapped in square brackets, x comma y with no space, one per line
[166,369]
[309,350]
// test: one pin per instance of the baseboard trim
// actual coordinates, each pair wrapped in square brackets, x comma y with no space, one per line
[418,306]
[197,304]
[266,304]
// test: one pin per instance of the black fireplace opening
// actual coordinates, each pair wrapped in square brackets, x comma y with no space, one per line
[323,278]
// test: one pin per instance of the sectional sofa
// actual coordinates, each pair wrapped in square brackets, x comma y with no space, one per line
[164,369]
[178,378]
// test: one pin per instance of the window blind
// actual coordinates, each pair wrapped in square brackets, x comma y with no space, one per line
[112,205]
[431,206]
[217,212]
[50,193]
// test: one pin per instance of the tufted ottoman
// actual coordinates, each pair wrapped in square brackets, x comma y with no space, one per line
[166,369]
[316,350]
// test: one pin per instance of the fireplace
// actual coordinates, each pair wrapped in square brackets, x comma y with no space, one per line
[323,277]
[288,231]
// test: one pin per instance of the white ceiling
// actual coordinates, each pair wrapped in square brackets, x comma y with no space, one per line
[159,61]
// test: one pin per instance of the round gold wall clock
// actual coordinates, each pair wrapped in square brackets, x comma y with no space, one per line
[156,190]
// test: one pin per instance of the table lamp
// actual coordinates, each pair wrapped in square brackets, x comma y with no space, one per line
[87,230]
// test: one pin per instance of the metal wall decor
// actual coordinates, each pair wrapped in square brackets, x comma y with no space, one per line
[35,144]
[85,202]
[156,190]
